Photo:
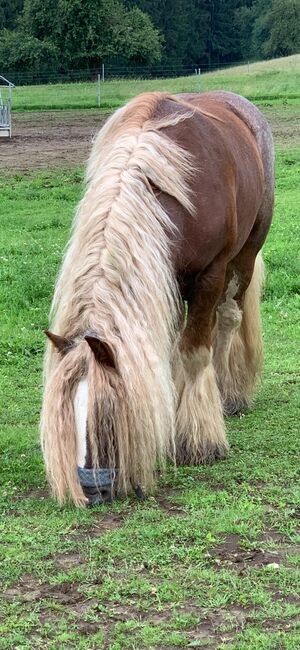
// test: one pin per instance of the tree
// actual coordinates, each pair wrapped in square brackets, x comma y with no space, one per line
[223,40]
[171,17]
[66,34]
[82,32]
[196,32]
[281,29]
[27,53]
[137,38]
[9,11]
[244,18]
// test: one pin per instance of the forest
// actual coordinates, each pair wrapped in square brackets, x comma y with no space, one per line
[62,35]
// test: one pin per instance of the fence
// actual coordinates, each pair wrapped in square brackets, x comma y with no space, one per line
[115,71]
[5,107]
[5,118]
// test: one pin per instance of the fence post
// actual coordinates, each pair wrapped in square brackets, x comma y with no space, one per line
[248,66]
[103,72]
[99,91]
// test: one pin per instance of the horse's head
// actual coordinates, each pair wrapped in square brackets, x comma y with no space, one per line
[92,405]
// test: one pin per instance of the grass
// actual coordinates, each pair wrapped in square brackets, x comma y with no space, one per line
[274,81]
[209,561]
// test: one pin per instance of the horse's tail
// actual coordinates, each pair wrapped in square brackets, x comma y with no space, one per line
[251,329]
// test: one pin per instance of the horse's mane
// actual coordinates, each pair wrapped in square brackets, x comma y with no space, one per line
[117,280]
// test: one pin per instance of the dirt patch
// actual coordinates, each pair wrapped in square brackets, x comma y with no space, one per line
[49,140]
[277,595]
[272,536]
[67,561]
[170,508]
[103,524]
[63,139]
[278,624]
[229,552]
[210,629]
[40,494]
[88,627]
[165,501]
[218,627]
[221,626]
[285,124]
[29,590]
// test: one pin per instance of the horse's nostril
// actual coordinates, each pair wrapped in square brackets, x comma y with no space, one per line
[99,485]
[107,496]
[97,496]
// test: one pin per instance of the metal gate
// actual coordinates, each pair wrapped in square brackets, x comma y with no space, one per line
[5,117]
[5,108]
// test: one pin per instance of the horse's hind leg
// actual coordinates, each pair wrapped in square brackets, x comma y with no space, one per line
[200,424]
[238,341]
[238,351]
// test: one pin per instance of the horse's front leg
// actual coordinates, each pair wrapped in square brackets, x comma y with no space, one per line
[200,425]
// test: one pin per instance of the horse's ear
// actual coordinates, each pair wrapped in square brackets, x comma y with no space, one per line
[59,342]
[101,350]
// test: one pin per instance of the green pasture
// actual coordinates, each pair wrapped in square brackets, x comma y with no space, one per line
[264,82]
[210,560]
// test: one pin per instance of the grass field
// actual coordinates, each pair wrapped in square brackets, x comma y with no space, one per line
[211,560]
[273,81]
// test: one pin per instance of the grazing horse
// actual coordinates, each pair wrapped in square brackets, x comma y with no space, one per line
[156,311]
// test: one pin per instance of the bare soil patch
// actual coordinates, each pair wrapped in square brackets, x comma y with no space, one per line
[103,524]
[49,139]
[230,553]
[170,508]
[279,596]
[61,139]
[165,501]
[67,561]
[29,589]
[285,123]
[210,628]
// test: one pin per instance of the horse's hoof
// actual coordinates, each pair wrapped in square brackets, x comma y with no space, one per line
[234,408]
[139,493]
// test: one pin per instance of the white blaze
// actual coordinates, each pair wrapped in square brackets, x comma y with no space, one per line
[81,409]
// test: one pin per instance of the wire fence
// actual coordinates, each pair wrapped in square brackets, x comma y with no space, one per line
[109,71]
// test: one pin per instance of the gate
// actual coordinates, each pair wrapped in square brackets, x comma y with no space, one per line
[5,107]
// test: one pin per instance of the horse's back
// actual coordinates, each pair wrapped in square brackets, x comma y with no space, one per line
[250,115]
[257,124]
[219,100]
[226,139]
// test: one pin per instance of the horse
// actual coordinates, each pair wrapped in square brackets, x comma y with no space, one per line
[155,320]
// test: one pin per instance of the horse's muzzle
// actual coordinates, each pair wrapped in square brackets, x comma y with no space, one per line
[100,485]
[97,495]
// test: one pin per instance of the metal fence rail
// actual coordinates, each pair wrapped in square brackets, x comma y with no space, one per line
[5,117]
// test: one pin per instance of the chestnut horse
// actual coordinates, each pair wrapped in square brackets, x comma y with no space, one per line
[156,311]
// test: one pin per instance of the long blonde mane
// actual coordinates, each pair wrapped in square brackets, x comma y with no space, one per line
[117,280]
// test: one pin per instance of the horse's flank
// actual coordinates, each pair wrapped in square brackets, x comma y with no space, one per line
[117,280]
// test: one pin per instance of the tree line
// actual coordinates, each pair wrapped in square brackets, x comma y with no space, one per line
[58,35]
